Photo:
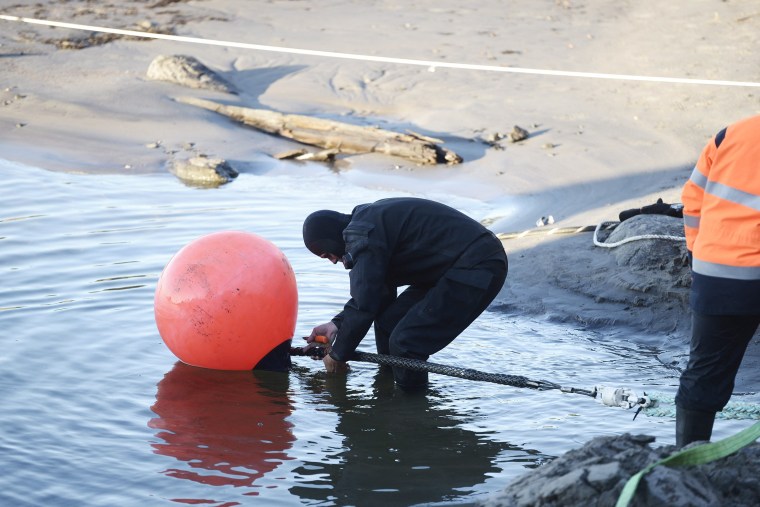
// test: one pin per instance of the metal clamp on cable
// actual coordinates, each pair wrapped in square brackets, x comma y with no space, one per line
[576,390]
[624,397]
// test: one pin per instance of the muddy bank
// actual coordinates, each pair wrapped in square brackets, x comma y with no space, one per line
[595,474]
[642,285]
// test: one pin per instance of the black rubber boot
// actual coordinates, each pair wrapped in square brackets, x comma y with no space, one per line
[693,426]
[410,380]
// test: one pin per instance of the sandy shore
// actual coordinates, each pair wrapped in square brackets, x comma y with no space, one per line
[79,101]
[597,145]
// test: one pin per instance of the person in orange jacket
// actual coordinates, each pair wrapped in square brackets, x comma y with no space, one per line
[721,213]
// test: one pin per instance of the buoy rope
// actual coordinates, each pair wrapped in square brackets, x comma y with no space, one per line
[430,64]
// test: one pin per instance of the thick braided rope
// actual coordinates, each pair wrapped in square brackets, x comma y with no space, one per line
[453,371]
[666,407]
[663,406]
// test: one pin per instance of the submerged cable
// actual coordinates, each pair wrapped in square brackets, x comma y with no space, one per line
[651,404]
[452,371]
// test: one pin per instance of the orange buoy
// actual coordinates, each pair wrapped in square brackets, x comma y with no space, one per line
[226,300]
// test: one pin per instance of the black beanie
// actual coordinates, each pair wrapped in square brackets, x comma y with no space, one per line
[323,232]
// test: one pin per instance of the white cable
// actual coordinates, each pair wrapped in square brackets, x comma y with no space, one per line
[632,238]
[432,65]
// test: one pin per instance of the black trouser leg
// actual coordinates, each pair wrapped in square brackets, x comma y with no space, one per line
[386,325]
[392,315]
[718,344]
[389,319]
[446,310]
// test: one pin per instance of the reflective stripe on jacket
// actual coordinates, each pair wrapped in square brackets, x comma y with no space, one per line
[722,205]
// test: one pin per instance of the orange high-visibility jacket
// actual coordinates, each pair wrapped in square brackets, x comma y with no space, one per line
[721,203]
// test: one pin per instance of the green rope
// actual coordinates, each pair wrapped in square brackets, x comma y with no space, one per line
[665,406]
[695,455]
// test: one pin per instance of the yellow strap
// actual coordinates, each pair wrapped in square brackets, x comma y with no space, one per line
[696,455]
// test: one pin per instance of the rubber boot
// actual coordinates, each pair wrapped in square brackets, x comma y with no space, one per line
[693,426]
[410,380]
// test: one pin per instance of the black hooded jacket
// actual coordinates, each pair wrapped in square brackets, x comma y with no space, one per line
[397,242]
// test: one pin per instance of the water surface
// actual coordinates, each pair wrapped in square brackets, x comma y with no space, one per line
[97,411]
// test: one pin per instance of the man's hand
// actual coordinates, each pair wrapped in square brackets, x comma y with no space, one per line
[333,366]
[328,329]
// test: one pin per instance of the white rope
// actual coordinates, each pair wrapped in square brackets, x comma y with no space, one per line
[430,64]
[544,231]
[632,238]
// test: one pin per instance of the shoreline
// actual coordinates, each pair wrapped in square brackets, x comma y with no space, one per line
[619,144]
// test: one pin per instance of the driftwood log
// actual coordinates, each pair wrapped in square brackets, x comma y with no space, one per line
[334,135]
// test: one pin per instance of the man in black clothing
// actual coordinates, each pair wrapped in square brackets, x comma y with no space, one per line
[451,265]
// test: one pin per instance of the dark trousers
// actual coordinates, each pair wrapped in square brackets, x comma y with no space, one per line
[423,320]
[718,344]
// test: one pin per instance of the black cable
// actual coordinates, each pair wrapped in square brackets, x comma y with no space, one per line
[452,371]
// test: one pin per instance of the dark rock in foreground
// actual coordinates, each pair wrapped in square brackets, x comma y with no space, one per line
[595,474]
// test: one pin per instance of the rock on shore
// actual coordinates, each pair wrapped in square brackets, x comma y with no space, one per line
[595,474]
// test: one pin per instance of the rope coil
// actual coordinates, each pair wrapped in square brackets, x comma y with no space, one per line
[605,226]
[596,229]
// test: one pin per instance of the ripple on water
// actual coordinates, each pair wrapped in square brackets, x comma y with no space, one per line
[95,407]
